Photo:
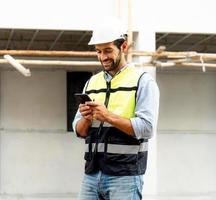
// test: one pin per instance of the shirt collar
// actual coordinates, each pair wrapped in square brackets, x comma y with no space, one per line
[108,77]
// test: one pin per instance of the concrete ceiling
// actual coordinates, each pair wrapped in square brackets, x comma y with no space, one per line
[22,39]
[202,43]
[16,39]
[59,40]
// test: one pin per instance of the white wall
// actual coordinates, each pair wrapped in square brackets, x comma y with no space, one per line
[196,16]
[47,163]
[186,163]
[187,134]
[0,100]
[36,103]
[40,165]
[38,158]
[187,101]
[64,14]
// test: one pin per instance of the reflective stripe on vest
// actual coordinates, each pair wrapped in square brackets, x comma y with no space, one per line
[96,124]
[120,149]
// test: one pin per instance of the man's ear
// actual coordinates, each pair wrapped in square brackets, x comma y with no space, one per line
[124,46]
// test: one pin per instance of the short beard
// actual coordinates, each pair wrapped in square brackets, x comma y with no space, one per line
[115,64]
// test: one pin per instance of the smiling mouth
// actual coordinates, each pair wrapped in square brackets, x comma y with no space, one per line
[107,62]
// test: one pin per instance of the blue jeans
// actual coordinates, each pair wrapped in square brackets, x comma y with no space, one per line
[99,186]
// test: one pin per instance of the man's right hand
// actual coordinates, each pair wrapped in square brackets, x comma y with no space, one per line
[85,122]
[86,112]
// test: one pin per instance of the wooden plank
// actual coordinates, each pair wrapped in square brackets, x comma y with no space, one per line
[54,62]
[48,53]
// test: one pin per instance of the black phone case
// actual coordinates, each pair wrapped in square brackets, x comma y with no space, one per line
[82,98]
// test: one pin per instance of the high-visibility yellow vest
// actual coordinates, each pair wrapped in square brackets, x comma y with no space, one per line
[107,148]
[120,94]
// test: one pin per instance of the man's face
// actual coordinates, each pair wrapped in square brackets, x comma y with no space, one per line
[109,56]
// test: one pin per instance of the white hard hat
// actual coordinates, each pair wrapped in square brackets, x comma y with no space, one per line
[108,30]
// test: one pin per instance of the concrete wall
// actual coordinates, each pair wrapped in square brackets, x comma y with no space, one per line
[35,103]
[187,134]
[187,101]
[40,165]
[40,160]
[0,100]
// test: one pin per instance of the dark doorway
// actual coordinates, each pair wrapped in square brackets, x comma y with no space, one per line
[75,83]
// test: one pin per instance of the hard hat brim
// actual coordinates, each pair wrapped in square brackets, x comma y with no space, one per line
[95,42]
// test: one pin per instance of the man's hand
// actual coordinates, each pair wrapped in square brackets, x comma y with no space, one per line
[84,123]
[99,111]
[86,112]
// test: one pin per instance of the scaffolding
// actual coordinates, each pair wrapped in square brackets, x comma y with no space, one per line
[159,58]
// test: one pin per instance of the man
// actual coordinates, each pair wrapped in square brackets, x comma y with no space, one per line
[117,123]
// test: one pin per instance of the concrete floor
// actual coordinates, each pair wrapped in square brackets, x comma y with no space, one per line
[73,197]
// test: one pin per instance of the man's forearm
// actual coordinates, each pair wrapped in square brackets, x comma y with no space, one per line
[101,113]
[82,127]
[121,123]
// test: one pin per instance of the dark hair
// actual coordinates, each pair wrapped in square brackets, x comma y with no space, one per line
[120,41]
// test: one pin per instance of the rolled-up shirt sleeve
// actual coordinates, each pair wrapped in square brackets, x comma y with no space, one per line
[78,115]
[147,105]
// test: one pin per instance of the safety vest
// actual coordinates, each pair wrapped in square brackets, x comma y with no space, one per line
[107,148]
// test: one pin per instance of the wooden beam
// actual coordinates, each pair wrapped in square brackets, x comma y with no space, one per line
[166,54]
[191,64]
[48,53]
[17,65]
[159,55]
[184,64]
[54,62]
[63,63]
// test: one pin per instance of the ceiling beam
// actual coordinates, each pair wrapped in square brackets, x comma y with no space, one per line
[161,37]
[200,42]
[9,38]
[32,40]
[179,41]
[80,40]
[56,40]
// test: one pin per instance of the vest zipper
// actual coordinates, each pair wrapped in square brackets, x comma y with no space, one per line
[101,124]
[103,137]
[107,93]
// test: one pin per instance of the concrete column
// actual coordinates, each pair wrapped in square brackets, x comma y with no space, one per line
[0,136]
[145,41]
[0,101]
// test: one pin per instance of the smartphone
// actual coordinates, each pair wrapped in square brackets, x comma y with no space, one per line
[82,98]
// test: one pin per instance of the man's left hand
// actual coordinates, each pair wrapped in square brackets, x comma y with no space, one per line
[99,111]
